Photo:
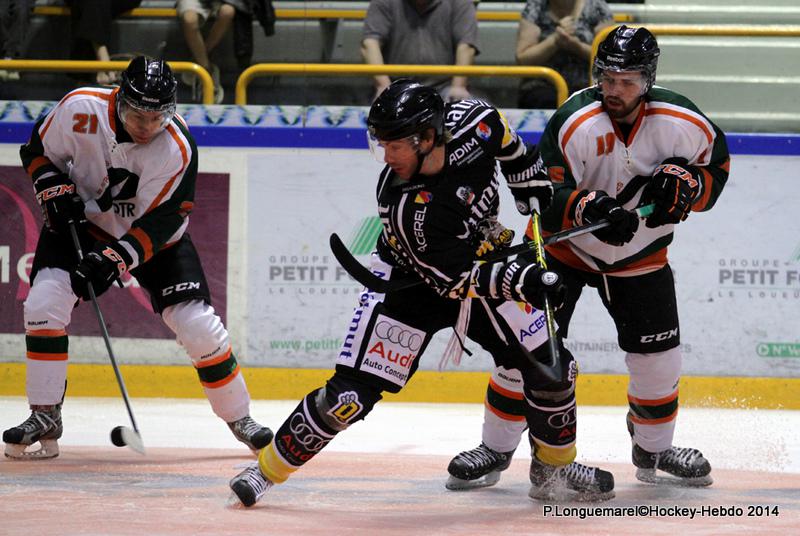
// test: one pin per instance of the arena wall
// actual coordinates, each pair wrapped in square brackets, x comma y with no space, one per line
[275,182]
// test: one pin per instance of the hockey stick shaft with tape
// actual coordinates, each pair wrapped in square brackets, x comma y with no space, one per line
[538,247]
[131,438]
[365,277]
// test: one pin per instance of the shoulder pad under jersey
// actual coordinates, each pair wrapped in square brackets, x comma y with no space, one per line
[462,116]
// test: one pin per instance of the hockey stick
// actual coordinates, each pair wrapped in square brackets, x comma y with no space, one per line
[538,248]
[120,435]
[365,277]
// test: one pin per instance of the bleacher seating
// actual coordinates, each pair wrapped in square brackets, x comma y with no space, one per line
[746,83]
[717,11]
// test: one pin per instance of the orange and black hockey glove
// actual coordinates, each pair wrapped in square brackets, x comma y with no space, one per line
[673,188]
[100,267]
[595,206]
[59,201]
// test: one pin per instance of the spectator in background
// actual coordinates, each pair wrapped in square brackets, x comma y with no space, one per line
[15,16]
[264,12]
[436,32]
[193,15]
[90,24]
[558,34]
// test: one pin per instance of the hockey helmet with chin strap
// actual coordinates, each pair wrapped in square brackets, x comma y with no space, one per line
[628,49]
[406,108]
[148,85]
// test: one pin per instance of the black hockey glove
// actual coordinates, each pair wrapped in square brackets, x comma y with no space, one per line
[673,188]
[522,281]
[534,283]
[595,206]
[59,201]
[527,178]
[100,267]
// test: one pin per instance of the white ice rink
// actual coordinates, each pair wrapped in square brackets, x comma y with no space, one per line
[756,440]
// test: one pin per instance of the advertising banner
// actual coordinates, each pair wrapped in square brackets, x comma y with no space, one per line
[737,269]
[127,311]
[262,222]
[303,299]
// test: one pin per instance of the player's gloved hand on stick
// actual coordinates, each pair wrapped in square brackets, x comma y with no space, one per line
[594,206]
[492,235]
[100,267]
[529,282]
[527,178]
[673,188]
[59,201]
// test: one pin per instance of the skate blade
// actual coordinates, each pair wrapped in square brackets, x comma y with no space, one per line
[234,503]
[569,495]
[649,476]
[48,448]
[459,484]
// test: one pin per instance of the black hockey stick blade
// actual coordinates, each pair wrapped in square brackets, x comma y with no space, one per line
[361,273]
[549,371]
[365,277]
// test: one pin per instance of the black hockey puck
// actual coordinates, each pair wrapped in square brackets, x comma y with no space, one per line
[116,437]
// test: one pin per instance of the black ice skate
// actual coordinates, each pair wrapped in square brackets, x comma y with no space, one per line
[573,482]
[477,468]
[684,466]
[249,486]
[43,426]
[252,434]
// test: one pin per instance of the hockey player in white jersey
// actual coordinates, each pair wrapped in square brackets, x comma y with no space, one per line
[610,148]
[97,149]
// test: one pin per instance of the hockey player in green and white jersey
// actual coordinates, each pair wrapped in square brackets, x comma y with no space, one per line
[610,148]
[120,165]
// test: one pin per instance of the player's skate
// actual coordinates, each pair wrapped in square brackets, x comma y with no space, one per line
[249,486]
[683,466]
[477,468]
[43,426]
[252,434]
[573,482]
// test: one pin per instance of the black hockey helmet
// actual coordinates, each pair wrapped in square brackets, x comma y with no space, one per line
[628,49]
[148,85]
[406,108]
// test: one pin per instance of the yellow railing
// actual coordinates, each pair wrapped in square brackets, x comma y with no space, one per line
[706,30]
[293,13]
[339,69]
[97,66]
[63,11]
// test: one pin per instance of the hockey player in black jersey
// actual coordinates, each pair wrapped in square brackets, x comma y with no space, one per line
[438,203]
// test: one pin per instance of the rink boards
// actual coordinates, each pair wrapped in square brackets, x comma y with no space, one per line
[276,181]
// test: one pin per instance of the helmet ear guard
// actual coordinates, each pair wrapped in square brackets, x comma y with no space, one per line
[628,49]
